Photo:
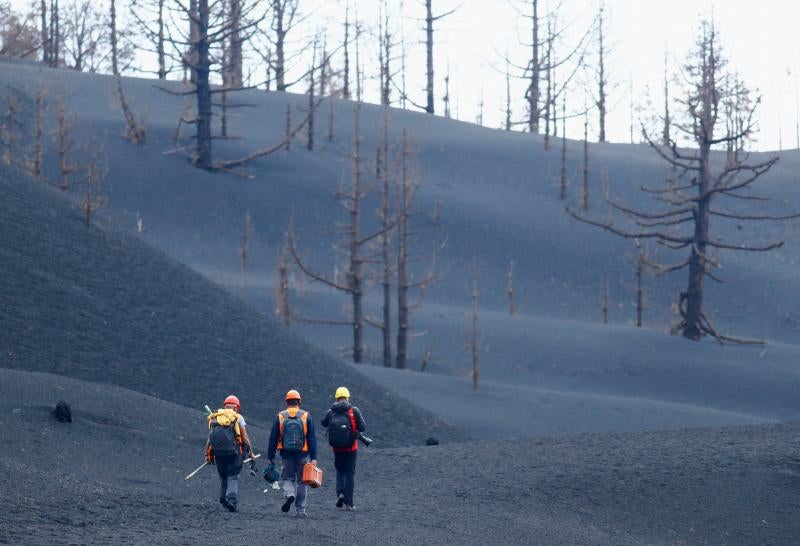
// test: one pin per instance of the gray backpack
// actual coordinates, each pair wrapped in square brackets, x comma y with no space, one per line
[293,436]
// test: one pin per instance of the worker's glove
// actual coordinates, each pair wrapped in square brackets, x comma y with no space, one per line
[209,455]
[253,468]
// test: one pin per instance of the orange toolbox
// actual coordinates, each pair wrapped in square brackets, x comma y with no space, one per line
[312,475]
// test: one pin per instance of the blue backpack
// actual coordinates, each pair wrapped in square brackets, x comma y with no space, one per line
[293,430]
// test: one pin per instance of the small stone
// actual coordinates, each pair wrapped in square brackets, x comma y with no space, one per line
[63,412]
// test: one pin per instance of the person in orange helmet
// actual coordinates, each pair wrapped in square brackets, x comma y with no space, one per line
[293,435]
[227,445]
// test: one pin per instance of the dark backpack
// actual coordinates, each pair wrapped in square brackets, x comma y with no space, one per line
[340,430]
[293,436]
[223,434]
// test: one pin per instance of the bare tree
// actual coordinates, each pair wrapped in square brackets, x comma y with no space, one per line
[602,77]
[282,305]
[11,128]
[85,36]
[512,308]
[149,16]
[692,196]
[585,170]
[474,338]
[209,29]
[95,173]
[408,187]
[356,243]
[244,249]
[284,19]
[65,125]
[666,137]
[134,128]
[564,180]
[35,163]
[430,19]
[18,34]
[605,300]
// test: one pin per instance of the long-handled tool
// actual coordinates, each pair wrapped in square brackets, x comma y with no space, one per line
[201,467]
[253,458]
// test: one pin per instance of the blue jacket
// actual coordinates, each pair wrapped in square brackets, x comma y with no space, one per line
[275,436]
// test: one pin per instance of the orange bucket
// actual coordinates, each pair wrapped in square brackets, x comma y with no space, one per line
[312,475]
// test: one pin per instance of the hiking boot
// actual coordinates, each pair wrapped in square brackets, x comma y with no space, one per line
[223,502]
[230,504]
[301,514]
[287,504]
[350,508]
[340,501]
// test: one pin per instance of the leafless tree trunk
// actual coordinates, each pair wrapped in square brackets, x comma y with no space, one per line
[430,18]
[45,34]
[149,18]
[113,38]
[605,300]
[512,308]
[641,262]
[35,164]
[666,137]
[346,72]
[288,137]
[563,194]
[585,193]
[692,196]
[64,140]
[134,130]
[356,241]
[474,338]
[244,249]
[10,127]
[282,306]
[232,69]
[508,96]
[95,173]
[602,77]
[311,100]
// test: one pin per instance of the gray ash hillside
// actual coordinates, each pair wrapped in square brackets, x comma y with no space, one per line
[98,305]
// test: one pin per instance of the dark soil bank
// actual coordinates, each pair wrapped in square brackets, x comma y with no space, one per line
[115,475]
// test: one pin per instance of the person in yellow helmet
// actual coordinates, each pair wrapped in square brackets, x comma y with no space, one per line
[293,435]
[345,424]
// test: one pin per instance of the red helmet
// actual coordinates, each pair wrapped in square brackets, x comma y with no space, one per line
[232,400]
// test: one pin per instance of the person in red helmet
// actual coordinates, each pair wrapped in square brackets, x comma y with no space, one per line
[227,446]
[293,435]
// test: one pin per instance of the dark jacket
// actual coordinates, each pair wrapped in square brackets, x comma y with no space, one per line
[275,437]
[356,422]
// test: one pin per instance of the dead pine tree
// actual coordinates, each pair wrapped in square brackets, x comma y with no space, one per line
[512,308]
[64,125]
[35,163]
[134,129]
[96,171]
[244,249]
[209,29]
[355,242]
[282,305]
[406,233]
[474,337]
[388,221]
[694,199]
[430,19]
[564,180]
[642,262]
[585,170]
[149,17]
[11,128]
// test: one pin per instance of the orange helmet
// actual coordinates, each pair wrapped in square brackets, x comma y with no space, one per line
[292,395]
[232,400]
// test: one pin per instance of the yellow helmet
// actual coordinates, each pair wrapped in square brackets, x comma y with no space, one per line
[342,392]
